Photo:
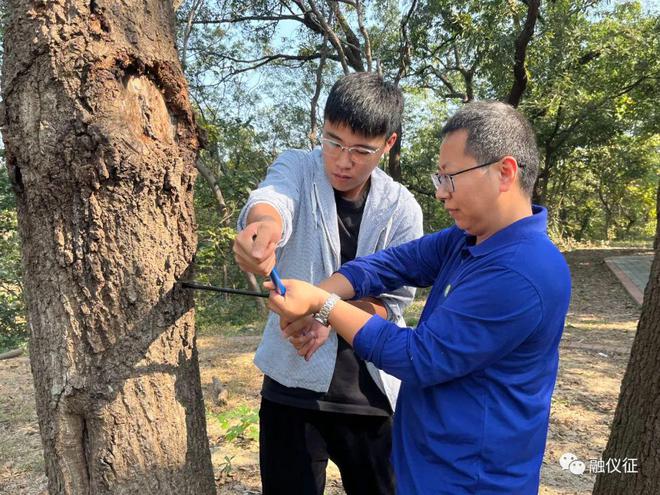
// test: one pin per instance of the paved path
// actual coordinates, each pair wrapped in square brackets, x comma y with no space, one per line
[633,272]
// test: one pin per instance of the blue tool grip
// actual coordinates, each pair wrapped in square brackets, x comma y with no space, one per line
[278,281]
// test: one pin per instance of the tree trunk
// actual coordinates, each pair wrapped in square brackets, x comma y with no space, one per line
[541,186]
[101,148]
[636,427]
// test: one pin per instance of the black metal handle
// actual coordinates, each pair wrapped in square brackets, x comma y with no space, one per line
[187,284]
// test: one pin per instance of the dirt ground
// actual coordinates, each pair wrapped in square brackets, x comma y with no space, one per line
[594,352]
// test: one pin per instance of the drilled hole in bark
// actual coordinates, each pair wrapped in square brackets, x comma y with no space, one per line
[131,69]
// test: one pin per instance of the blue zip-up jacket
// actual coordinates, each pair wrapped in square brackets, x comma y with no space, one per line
[479,370]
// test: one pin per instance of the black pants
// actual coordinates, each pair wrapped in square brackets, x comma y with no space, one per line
[295,445]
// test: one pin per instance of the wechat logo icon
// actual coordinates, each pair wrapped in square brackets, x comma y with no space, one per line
[570,462]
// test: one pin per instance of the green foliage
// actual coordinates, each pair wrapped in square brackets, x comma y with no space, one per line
[591,100]
[239,423]
[592,94]
[592,70]
[424,117]
[13,324]
[226,467]
[235,156]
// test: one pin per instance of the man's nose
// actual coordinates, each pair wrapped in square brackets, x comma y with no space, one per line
[441,193]
[344,160]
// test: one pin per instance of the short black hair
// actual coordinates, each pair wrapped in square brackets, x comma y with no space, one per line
[495,130]
[366,103]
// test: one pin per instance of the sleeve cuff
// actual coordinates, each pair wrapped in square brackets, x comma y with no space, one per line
[369,340]
[352,274]
[286,220]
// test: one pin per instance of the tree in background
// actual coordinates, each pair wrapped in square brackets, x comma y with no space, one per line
[13,324]
[101,145]
[273,57]
[258,71]
[232,165]
[595,74]
[636,427]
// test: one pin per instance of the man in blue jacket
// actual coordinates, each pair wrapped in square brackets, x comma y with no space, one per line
[314,211]
[478,371]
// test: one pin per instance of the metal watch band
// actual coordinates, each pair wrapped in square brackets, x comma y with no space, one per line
[324,313]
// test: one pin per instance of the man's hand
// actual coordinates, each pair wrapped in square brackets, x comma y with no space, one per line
[301,299]
[254,246]
[306,335]
[304,299]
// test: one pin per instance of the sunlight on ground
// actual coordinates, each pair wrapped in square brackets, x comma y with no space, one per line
[593,355]
[589,323]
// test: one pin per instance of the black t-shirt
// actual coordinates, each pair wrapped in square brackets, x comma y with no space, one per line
[346,393]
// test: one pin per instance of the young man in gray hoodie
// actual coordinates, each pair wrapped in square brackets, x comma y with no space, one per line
[313,212]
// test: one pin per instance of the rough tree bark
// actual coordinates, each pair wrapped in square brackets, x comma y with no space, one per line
[101,145]
[636,427]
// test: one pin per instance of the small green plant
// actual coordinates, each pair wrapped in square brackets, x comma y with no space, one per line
[241,422]
[226,467]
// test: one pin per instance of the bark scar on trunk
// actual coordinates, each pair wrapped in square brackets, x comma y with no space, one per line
[166,77]
[101,146]
[73,453]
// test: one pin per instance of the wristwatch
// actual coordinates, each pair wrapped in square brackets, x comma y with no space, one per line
[324,313]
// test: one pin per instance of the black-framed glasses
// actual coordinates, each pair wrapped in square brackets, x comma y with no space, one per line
[357,153]
[446,181]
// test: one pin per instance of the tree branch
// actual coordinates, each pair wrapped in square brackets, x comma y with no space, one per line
[317,93]
[272,58]
[590,108]
[453,92]
[334,39]
[522,41]
[353,50]
[405,48]
[259,62]
[365,34]
[215,187]
[251,18]
[188,29]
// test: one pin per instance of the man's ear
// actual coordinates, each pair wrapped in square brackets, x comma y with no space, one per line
[390,142]
[508,171]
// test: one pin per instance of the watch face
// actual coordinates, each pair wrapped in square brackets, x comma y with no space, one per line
[324,313]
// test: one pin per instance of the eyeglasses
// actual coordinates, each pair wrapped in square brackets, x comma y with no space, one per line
[358,154]
[446,181]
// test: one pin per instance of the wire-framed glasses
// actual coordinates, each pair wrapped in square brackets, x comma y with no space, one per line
[358,154]
[446,181]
